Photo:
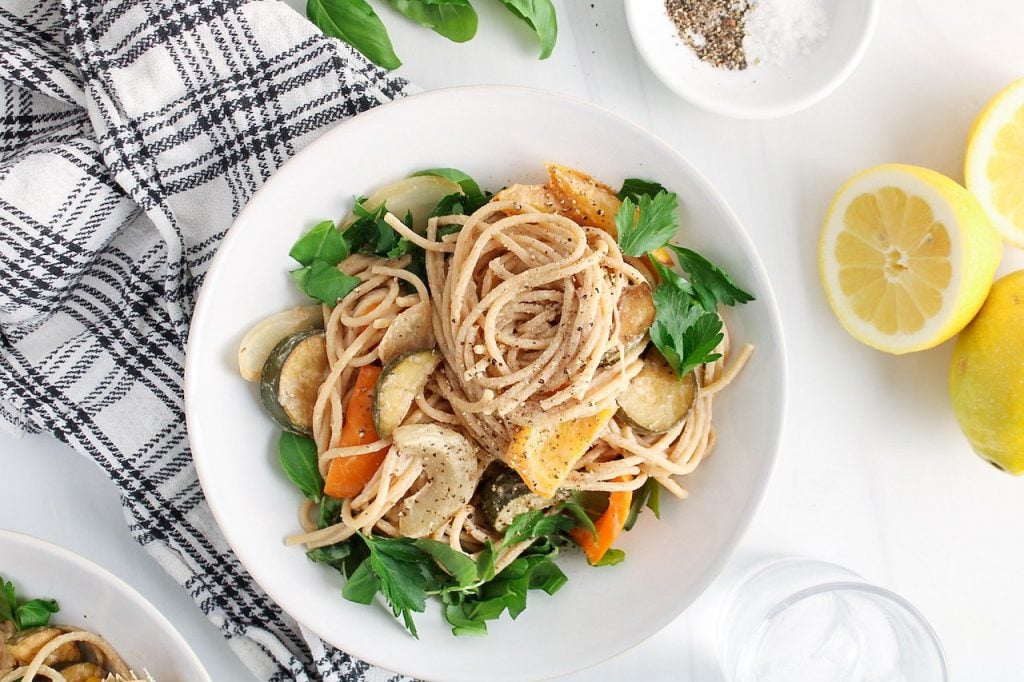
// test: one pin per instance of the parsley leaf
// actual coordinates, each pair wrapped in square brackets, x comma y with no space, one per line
[299,461]
[649,228]
[634,188]
[399,568]
[711,284]
[685,333]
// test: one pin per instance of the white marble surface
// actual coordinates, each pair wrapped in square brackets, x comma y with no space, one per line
[873,473]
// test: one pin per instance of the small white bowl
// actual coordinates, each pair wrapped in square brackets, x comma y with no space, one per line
[91,597]
[761,90]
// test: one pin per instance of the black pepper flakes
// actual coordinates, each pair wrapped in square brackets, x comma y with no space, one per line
[713,29]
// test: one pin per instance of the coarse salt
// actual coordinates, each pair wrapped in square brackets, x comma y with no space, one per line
[778,30]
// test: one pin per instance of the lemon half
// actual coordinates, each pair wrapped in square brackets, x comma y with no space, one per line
[994,168]
[907,257]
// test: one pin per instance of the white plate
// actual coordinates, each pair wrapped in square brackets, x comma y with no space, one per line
[761,91]
[498,135]
[92,598]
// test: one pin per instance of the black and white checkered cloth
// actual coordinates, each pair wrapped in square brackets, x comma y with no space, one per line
[131,133]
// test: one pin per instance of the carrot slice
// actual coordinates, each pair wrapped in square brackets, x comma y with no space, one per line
[608,526]
[347,476]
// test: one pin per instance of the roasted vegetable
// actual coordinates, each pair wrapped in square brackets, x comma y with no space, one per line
[544,455]
[346,476]
[636,315]
[291,377]
[401,381]
[83,672]
[417,195]
[450,467]
[410,331]
[24,646]
[586,200]
[260,340]
[606,529]
[502,496]
[656,400]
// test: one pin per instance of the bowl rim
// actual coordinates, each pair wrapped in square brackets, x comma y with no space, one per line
[660,67]
[152,614]
[200,317]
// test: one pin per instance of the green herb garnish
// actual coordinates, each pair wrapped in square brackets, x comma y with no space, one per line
[406,571]
[540,16]
[686,327]
[634,188]
[299,461]
[647,224]
[27,614]
[355,22]
[456,20]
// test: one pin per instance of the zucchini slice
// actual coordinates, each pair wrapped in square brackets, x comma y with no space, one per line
[656,400]
[503,495]
[264,336]
[400,382]
[636,315]
[291,378]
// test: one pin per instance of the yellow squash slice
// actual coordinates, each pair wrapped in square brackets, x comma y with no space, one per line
[543,456]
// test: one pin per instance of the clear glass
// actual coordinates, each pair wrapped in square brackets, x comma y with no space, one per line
[801,619]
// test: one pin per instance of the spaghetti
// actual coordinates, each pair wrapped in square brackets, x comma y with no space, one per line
[524,305]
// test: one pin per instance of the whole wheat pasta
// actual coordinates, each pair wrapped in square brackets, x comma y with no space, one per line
[524,307]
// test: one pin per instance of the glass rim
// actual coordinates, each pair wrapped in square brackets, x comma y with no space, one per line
[914,616]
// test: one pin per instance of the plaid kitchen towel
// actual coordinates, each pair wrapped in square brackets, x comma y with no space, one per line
[131,133]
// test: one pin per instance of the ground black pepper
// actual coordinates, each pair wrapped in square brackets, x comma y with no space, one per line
[713,29]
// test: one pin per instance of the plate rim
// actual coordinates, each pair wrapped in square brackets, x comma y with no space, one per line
[199,315]
[90,567]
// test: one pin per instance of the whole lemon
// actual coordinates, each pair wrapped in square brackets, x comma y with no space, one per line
[986,377]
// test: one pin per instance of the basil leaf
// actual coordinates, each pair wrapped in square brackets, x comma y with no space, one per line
[582,518]
[712,284]
[34,613]
[469,185]
[355,22]
[330,511]
[323,242]
[547,576]
[540,16]
[535,524]
[456,20]
[648,224]
[463,625]
[634,188]
[611,557]
[459,566]
[647,495]
[299,461]
[324,282]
